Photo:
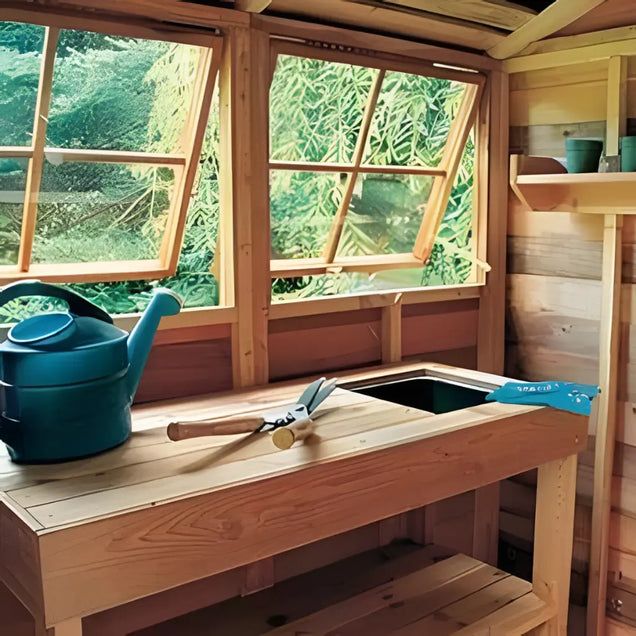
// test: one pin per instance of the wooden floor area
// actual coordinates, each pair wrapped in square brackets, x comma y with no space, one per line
[401,589]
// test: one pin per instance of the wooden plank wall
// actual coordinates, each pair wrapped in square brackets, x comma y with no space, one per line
[553,313]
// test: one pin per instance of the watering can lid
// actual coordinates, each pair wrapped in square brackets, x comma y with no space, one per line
[61,348]
[78,345]
[59,331]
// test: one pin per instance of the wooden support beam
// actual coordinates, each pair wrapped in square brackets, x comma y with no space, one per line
[502,15]
[492,170]
[245,119]
[392,331]
[253,6]
[257,576]
[371,15]
[608,368]
[553,540]
[36,163]
[568,42]
[581,55]
[555,17]
[493,174]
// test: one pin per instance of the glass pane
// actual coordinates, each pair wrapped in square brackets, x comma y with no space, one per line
[316,109]
[385,214]
[20,58]
[450,263]
[412,119]
[116,93]
[101,212]
[302,208]
[12,182]
[346,283]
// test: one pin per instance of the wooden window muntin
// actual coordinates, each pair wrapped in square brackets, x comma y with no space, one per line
[444,174]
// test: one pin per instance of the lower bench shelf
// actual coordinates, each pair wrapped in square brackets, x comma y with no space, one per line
[401,589]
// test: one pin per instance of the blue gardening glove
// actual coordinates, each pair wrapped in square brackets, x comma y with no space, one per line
[566,396]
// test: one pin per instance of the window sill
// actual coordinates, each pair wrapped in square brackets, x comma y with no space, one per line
[369,300]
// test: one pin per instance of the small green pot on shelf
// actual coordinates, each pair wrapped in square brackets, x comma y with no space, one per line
[628,154]
[583,155]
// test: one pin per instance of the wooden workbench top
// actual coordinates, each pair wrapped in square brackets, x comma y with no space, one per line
[154,514]
[149,469]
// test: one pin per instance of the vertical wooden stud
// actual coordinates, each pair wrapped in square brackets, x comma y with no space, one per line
[246,85]
[258,576]
[493,170]
[608,366]
[392,331]
[486,524]
[36,163]
[553,540]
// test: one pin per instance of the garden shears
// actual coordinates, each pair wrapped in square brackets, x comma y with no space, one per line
[288,423]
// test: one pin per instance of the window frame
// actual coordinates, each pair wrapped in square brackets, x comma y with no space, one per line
[444,175]
[184,164]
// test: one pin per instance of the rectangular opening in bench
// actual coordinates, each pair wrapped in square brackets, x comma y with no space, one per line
[427,393]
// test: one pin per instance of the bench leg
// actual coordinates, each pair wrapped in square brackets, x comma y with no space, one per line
[553,539]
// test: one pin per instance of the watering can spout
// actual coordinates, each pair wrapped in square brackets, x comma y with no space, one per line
[163,303]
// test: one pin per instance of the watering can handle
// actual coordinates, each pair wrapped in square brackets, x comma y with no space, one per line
[76,304]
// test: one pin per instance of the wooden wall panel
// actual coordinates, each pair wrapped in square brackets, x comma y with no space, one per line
[553,309]
[323,344]
[439,327]
[187,368]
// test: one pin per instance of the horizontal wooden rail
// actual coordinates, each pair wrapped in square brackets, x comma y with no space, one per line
[15,152]
[365,168]
[93,272]
[114,156]
[289,268]
[383,62]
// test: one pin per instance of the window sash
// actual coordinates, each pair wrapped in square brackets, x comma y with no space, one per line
[184,165]
[444,174]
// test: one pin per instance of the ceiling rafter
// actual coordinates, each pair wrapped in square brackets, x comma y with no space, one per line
[495,13]
[554,18]
[253,6]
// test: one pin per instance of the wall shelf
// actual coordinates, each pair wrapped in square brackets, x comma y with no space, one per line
[542,184]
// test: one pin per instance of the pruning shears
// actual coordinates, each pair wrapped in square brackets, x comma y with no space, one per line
[288,423]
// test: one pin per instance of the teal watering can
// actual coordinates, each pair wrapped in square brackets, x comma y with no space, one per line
[67,379]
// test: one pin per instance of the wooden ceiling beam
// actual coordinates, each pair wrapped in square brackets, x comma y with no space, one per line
[567,42]
[371,14]
[495,13]
[555,17]
[253,6]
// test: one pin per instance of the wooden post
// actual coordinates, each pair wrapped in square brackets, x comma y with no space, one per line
[493,171]
[245,84]
[608,366]
[553,540]
[392,331]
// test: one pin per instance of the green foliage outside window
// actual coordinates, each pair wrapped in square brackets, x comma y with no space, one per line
[114,93]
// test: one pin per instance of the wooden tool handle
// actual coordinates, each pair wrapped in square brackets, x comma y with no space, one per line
[285,437]
[225,426]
